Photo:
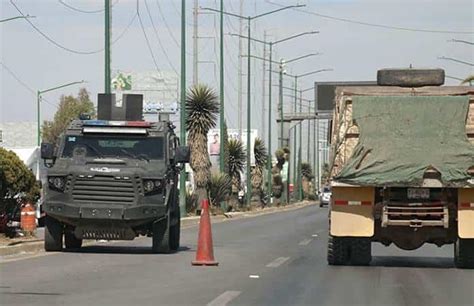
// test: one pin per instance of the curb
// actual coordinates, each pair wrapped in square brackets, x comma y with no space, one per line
[36,246]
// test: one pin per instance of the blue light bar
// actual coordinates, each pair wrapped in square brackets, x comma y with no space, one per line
[95,122]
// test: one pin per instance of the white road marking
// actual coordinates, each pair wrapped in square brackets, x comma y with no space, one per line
[224,298]
[277,262]
[254,276]
[315,235]
[305,242]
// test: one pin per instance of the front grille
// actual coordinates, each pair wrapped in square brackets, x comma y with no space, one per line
[103,189]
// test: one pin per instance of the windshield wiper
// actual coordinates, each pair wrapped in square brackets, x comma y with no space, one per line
[139,156]
[94,149]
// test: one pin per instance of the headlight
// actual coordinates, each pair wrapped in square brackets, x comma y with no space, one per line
[57,182]
[153,186]
[148,186]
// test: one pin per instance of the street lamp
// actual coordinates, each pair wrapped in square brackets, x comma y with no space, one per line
[462,41]
[298,177]
[38,105]
[17,17]
[455,60]
[249,19]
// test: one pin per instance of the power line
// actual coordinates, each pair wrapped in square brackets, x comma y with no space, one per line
[373,24]
[146,38]
[157,37]
[22,83]
[69,49]
[84,11]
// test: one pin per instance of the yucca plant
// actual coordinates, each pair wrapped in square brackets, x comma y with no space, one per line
[236,161]
[202,106]
[260,154]
[307,173]
[219,188]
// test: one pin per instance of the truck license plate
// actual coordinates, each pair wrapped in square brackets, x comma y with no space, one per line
[418,193]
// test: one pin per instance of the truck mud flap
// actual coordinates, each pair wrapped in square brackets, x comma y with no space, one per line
[352,212]
[466,213]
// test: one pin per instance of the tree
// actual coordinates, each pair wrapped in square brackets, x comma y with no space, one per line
[17,182]
[307,173]
[69,108]
[260,154]
[201,108]
[236,162]
[468,80]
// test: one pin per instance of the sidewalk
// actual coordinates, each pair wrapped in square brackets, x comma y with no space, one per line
[17,246]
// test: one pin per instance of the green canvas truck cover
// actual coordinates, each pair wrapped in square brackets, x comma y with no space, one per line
[400,137]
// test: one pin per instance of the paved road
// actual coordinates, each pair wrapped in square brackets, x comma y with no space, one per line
[276,259]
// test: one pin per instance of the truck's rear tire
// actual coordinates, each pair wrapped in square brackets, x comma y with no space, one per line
[71,242]
[53,235]
[175,230]
[361,251]
[464,253]
[161,236]
[338,251]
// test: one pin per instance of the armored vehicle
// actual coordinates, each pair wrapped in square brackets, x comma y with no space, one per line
[402,172]
[113,180]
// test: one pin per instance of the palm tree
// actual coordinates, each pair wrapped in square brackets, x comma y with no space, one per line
[236,161]
[260,154]
[469,80]
[202,106]
[307,173]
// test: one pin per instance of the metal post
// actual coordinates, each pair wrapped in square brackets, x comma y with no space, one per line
[182,111]
[294,135]
[221,109]
[249,186]
[269,162]
[38,110]
[280,104]
[263,80]
[240,76]
[107,47]
[317,155]
[300,181]
[195,44]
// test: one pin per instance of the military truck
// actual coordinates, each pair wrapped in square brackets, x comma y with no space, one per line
[402,167]
[113,180]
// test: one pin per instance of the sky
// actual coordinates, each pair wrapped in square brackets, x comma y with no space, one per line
[354,51]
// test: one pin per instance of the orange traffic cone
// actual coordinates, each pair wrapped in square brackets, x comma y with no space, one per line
[205,251]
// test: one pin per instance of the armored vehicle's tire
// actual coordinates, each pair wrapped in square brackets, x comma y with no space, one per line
[338,251]
[53,235]
[361,251]
[71,242]
[161,236]
[464,253]
[175,230]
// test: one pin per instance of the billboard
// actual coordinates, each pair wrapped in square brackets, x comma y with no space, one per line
[213,142]
[324,93]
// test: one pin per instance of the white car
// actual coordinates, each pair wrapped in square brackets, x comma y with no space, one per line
[325,196]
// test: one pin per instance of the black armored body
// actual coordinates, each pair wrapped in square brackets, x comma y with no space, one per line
[113,180]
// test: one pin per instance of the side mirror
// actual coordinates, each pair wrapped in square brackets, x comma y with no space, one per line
[47,151]
[182,154]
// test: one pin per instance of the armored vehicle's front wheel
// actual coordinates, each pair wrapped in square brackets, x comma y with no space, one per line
[175,230]
[53,235]
[464,253]
[161,236]
[71,242]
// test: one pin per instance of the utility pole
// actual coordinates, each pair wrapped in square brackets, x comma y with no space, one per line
[195,43]
[182,110]
[240,76]
[107,47]
[221,91]
[263,81]
[300,181]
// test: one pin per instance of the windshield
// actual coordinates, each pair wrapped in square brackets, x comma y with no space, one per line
[114,146]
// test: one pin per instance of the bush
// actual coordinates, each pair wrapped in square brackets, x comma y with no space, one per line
[17,182]
[219,188]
